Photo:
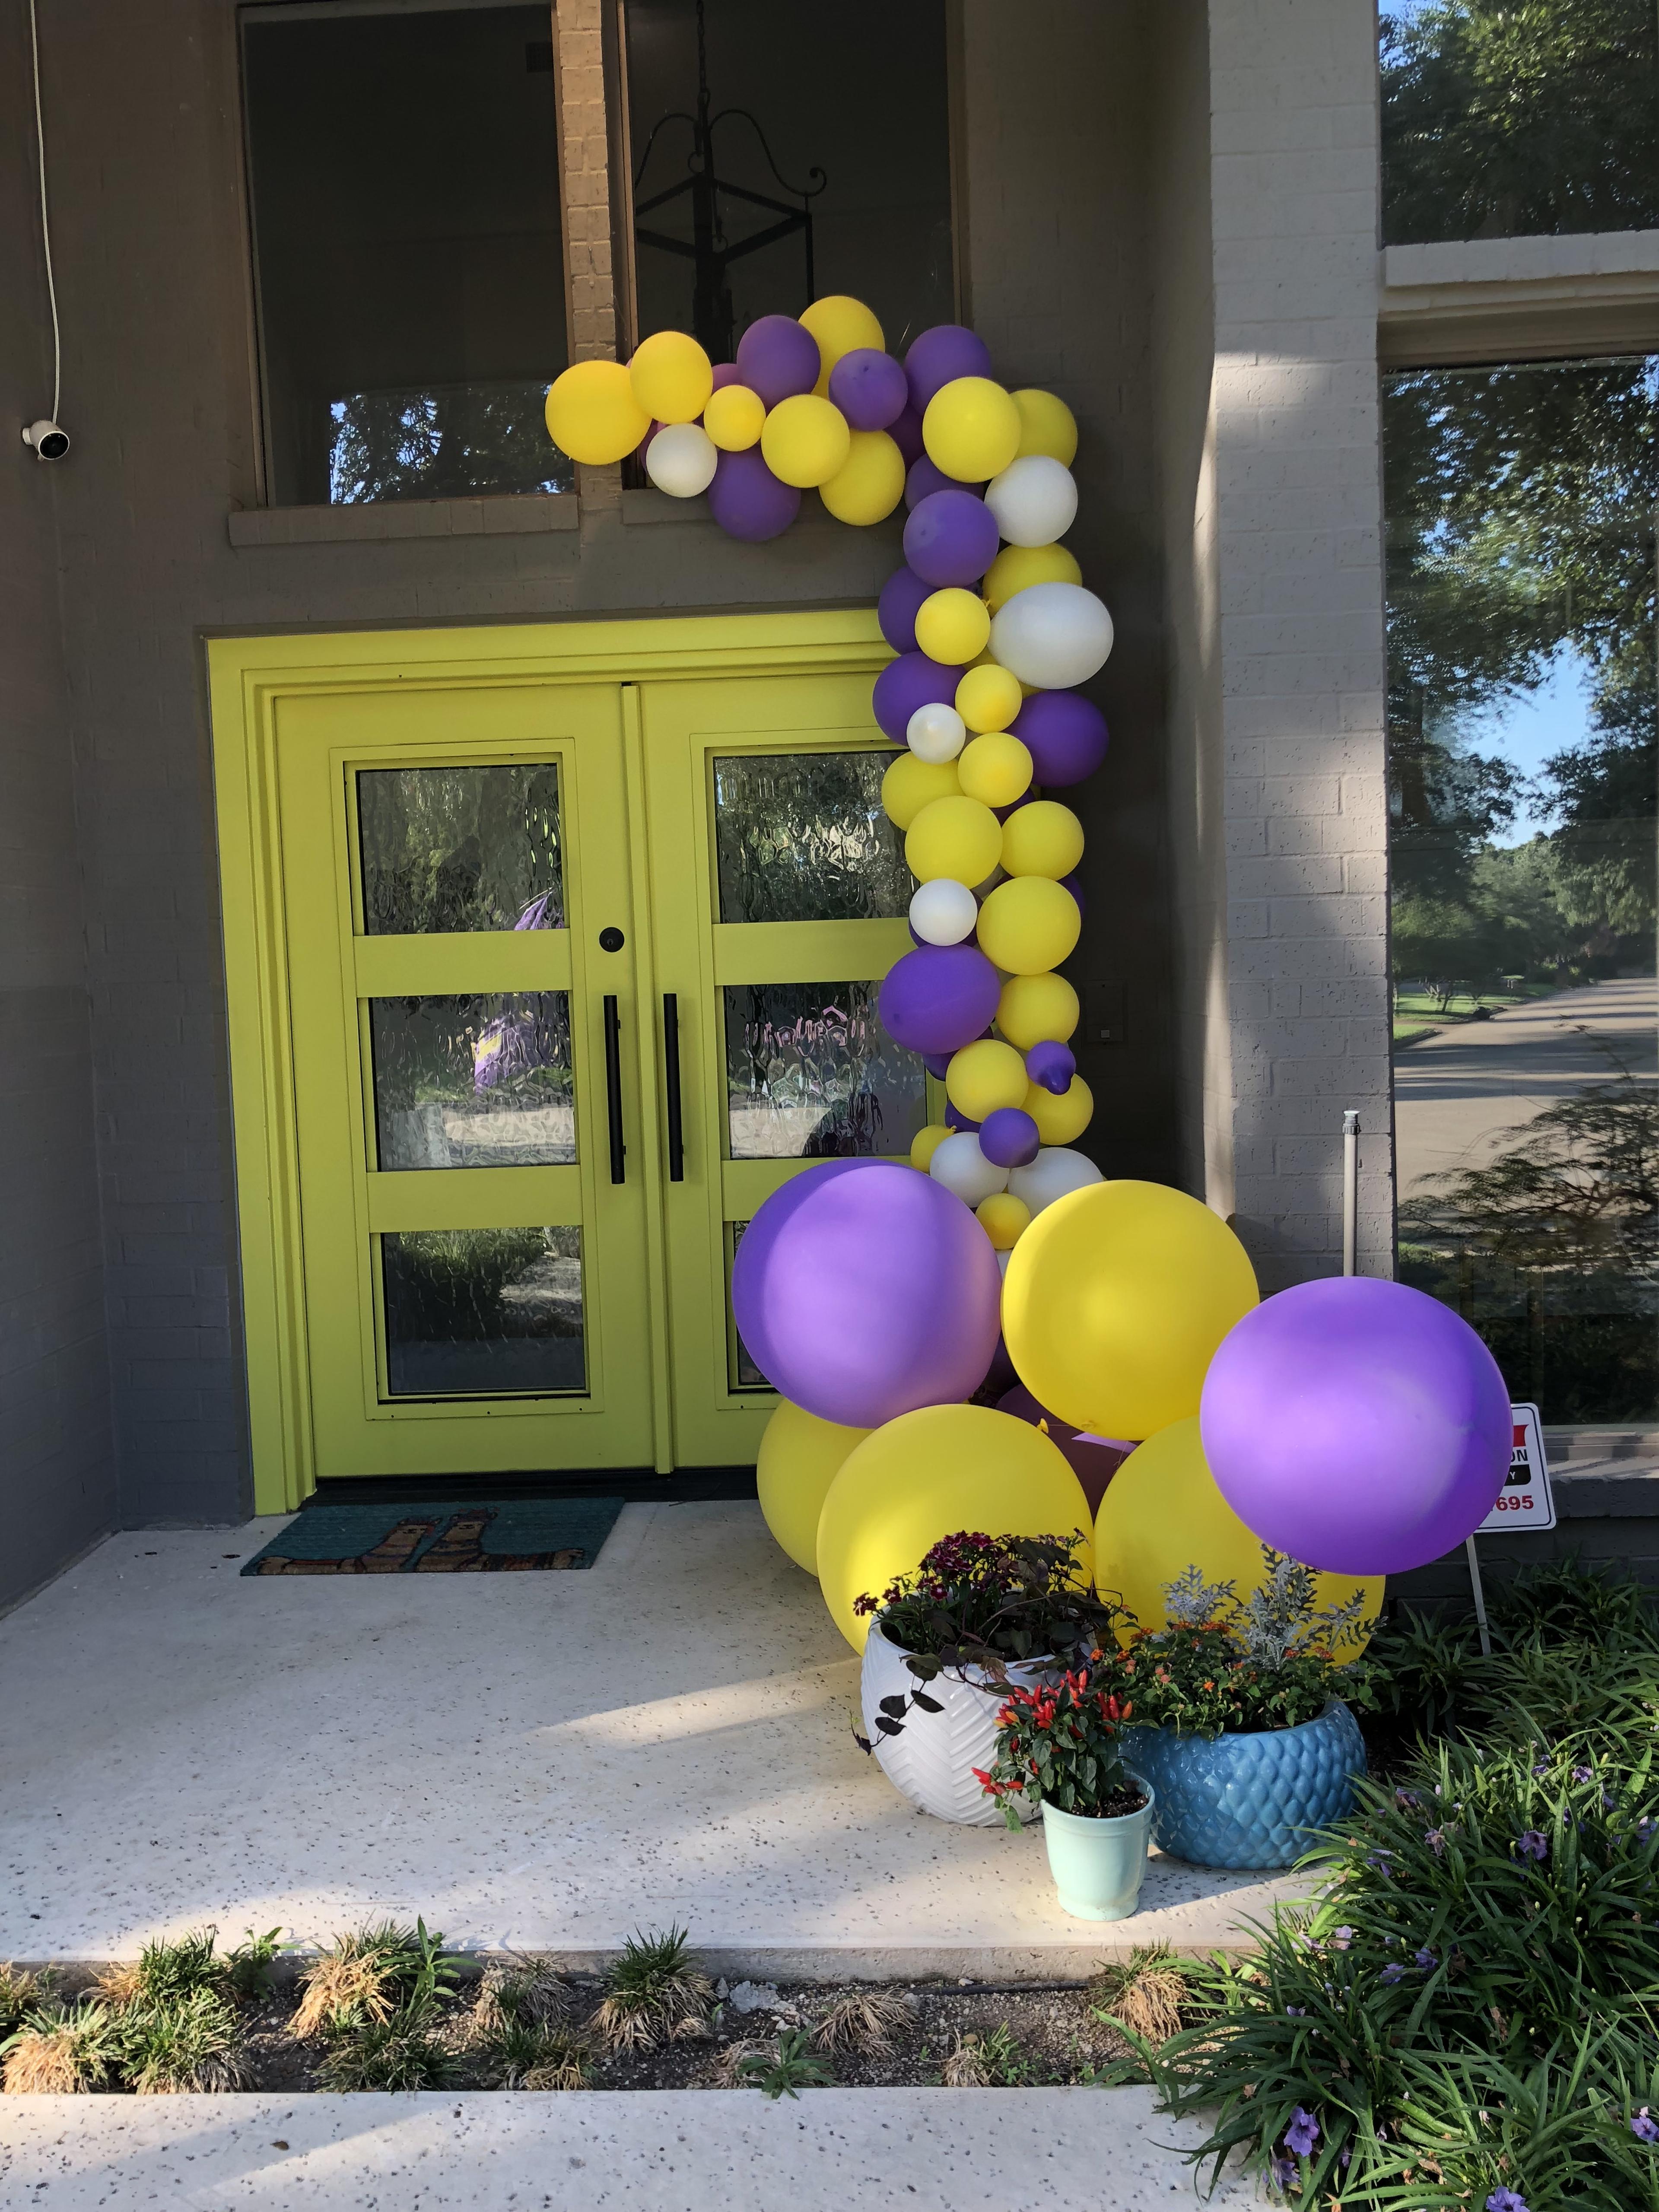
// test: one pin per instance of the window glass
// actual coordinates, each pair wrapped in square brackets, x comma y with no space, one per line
[404,172]
[1501,121]
[811,1074]
[804,837]
[483,1313]
[1521,509]
[473,1082]
[460,849]
[829,142]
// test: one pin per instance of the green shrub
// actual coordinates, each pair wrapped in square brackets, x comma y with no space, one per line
[786,2070]
[21,1994]
[654,1993]
[183,2044]
[398,2052]
[366,1977]
[61,2051]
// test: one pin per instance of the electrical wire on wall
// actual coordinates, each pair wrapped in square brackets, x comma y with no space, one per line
[48,442]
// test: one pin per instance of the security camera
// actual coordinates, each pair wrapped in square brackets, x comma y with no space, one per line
[50,443]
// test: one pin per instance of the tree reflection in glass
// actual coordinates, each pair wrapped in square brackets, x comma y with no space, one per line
[484,1312]
[443,441]
[811,1074]
[476,1081]
[802,837]
[1524,786]
[460,849]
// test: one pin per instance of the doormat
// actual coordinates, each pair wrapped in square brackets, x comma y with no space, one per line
[505,1536]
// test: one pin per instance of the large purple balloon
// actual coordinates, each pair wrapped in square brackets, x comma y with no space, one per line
[1009,1137]
[725,371]
[939,356]
[1358,1426]
[938,998]
[950,537]
[777,357]
[902,595]
[911,681]
[869,387]
[1065,734]
[863,1290]
[747,500]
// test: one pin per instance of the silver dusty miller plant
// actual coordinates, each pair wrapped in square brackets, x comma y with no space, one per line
[1276,1618]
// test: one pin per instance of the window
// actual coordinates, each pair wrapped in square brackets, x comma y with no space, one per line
[1522,727]
[403,175]
[1501,121]
[827,122]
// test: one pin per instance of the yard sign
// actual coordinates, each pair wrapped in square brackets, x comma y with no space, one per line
[1526,1502]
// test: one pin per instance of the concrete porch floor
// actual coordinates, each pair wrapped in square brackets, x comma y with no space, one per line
[540,1761]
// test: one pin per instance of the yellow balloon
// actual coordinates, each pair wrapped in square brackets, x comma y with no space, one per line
[953,626]
[806,441]
[988,697]
[1017,566]
[592,415]
[926,1142]
[912,783]
[1037,1010]
[927,1475]
[1042,839]
[800,1457]
[953,837]
[671,376]
[996,769]
[1047,425]
[1027,924]
[840,324]
[869,483]
[1060,1120]
[1116,1300]
[1004,1218]
[983,1076]
[734,418]
[971,429]
[1162,1513]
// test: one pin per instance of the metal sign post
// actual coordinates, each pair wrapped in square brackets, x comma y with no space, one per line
[1525,1502]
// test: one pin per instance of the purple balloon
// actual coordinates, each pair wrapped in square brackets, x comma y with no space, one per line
[1009,1138]
[924,477]
[911,681]
[1358,1426]
[905,431]
[1065,735]
[747,500]
[939,356]
[725,371]
[938,1065]
[950,537]
[870,388]
[956,1119]
[1052,1066]
[938,998]
[902,595]
[999,1375]
[863,1290]
[1093,1459]
[1073,884]
[777,357]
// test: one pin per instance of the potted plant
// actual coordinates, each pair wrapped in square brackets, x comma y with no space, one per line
[1243,1722]
[981,1616]
[1060,1743]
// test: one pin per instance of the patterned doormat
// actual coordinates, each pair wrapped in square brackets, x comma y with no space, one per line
[502,1536]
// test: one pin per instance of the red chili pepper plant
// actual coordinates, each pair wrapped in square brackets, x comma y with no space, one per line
[1059,1742]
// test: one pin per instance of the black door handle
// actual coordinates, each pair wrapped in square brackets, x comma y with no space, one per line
[671,1048]
[613,1087]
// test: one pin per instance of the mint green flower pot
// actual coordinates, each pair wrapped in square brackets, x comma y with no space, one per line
[1097,1865]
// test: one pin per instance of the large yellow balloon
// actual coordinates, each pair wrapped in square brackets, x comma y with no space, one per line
[592,414]
[840,324]
[734,418]
[988,697]
[1062,1118]
[957,838]
[927,1475]
[1116,1300]
[1037,1010]
[869,483]
[952,626]
[806,441]
[912,783]
[1162,1513]
[995,768]
[800,1457]
[983,1076]
[1029,924]
[1042,839]
[1047,425]
[1017,566]
[671,376]
[971,429]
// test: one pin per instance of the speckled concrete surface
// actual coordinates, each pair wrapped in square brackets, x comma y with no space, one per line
[543,1761]
[930,2150]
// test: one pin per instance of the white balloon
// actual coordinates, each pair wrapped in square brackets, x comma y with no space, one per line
[1003,1258]
[944,912]
[1034,500]
[1054,635]
[1055,1171]
[680,459]
[936,733]
[960,1165]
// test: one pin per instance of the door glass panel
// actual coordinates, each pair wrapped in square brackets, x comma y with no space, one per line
[802,837]
[811,1074]
[483,1313]
[460,849]
[481,1081]
[741,1374]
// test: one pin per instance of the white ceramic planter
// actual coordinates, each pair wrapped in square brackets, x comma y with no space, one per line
[931,1760]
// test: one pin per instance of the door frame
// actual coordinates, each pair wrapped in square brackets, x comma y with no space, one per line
[248,678]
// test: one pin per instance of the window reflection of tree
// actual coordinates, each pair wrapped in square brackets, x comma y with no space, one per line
[445,441]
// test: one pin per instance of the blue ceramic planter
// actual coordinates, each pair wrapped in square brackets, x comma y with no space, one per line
[1249,1801]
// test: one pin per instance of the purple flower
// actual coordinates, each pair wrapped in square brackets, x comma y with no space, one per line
[1540,1766]
[1302,2133]
[1405,1799]
[1379,1861]
[1645,2129]
[1583,1774]
[1506,2200]
[1296,2011]
[1340,1938]
[1532,1843]
[1284,2172]
[1393,1973]
[1436,1840]
[1426,1960]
